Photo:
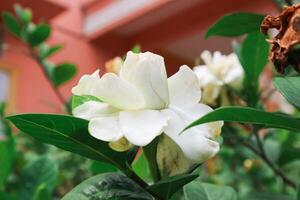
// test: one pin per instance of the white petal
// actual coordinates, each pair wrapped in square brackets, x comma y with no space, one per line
[92,109]
[148,73]
[193,142]
[118,93]
[86,84]
[105,128]
[190,113]
[209,84]
[141,127]
[184,87]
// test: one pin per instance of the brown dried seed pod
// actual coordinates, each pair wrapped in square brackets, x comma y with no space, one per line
[283,50]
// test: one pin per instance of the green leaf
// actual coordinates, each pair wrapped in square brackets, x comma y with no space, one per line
[254,56]
[289,87]
[63,73]
[108,186]
[102,167]
[249,115]
[7,157]
[11,24]
[39,35]
[24,15]
[205,191]
[40,171]
[235,24]
[167,187]
[79,100]
[42,193]
[46,51]
[141,167]
[68,133]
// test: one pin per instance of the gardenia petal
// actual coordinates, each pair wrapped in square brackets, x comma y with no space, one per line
[141,127]
[93,109]
[147,72]
[194,145]
[118,93]
[184,88]
[105,128]
[86,84]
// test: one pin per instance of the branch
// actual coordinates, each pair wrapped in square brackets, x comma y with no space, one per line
[46,74]
[276,170]
[262,154]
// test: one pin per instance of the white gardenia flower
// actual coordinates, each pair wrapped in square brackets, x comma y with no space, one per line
[219,70]
[142,103]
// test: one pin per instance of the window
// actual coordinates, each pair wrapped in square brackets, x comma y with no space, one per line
[4,85]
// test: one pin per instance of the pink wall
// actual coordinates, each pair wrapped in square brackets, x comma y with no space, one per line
[33,92]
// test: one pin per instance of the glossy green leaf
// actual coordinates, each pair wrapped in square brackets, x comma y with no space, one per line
[40,171]
[289,87]
[63,73]
[251,116]
[7,196]
[235,24]
[254,56]
[108,186]
[11,24]
[42,193]
[39,34]
[68,133]
[46,51]
[98,167]
[78,100]
[167,187]
[205,191]
[7,156]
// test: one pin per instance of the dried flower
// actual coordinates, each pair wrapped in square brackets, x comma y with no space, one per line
[284,45]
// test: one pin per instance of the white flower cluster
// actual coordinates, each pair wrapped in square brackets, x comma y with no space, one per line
[217,72]
[141,103]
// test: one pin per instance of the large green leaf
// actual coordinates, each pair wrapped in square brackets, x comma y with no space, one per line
[108,186]
[249,115]
[40,171]
[39,34]
[254,56]
[235,24]
[11,24]
[98,167]
[205,191]
[63,73]
[167,187]
[68,133]
[289,87]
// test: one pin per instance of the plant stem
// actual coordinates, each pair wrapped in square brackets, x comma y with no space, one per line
[46,74]
[262,154]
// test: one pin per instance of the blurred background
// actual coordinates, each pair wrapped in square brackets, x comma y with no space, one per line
[94,31]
